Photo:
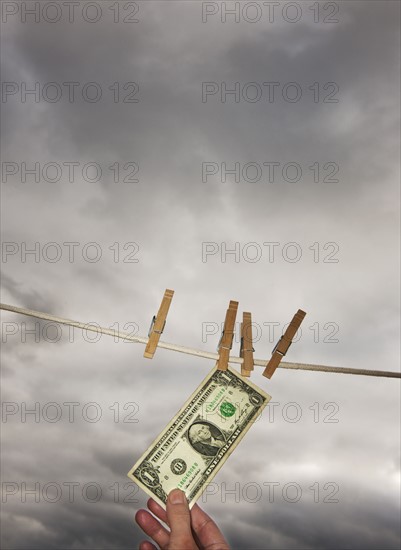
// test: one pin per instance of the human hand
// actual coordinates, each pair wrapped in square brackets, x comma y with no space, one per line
[189,529]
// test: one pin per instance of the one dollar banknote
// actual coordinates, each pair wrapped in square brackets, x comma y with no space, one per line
[198,440]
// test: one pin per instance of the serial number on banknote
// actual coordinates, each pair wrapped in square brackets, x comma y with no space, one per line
[198,440]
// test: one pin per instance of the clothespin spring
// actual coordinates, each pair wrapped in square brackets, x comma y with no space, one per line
[152,324]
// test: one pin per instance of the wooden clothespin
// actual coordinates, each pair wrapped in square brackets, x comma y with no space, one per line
[283,344]
[157,324]
[227,336]
[246,349]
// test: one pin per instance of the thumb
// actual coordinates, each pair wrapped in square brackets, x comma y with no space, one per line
[179,519]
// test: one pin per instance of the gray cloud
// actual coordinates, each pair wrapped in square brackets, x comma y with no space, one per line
[169,213]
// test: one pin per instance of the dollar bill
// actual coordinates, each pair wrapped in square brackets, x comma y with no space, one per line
[196,443]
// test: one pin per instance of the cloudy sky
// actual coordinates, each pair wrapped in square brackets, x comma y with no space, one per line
[245,151]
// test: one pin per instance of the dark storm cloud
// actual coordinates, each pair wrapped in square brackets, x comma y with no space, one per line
[24,295]
[169,213]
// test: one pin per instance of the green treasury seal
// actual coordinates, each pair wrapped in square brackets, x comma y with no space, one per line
[227,409]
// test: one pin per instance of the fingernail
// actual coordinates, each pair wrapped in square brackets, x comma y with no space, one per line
[176,497]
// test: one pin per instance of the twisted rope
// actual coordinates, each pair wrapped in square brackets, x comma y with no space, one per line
[192,351]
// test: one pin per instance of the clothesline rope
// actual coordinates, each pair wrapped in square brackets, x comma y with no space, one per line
[191,351]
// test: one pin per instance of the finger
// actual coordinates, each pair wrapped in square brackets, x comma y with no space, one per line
[179,520]
[206,530]
[157,510]
[147,545]
[152,528]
